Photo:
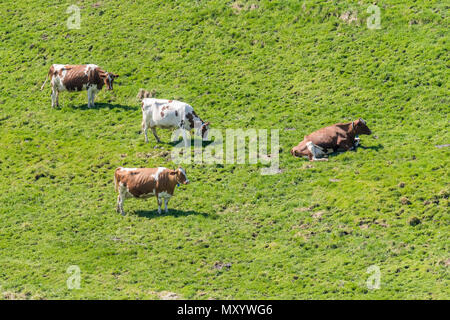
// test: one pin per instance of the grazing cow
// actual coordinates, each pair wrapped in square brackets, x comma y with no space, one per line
[146,182]
[76,78]
[340,136]
[158,113]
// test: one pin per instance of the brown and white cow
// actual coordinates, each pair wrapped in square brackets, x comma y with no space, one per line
[147,182]
[90,77]
[340,136]
[159,113]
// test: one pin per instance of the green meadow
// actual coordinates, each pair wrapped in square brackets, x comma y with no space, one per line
[315,230]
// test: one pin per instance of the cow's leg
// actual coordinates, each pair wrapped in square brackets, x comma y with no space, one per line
[53,97]
[57,98]
[93,97]
[89,98]
[118,204]
[121,198]
[156,136]
[89,94]
[144,128]
[357,141]
[345,145]
[166,201]
[316,151]
[158,198]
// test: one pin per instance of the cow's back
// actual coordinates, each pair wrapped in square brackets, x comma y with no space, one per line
[76,77]
[142,182]
[165,113]
[325,137]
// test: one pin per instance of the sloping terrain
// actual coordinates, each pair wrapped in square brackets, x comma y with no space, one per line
[309,232]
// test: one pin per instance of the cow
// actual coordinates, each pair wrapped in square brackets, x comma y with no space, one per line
[159,113]
[146,182]
[90,77]
[338,137]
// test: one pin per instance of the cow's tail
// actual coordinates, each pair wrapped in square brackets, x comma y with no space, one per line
[116,177]
[42,87]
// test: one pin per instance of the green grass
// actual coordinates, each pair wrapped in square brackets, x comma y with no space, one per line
[288,65]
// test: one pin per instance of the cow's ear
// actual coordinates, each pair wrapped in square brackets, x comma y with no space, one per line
[115,75]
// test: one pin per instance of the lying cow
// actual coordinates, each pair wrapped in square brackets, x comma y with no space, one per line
[338,137]
[146,182]
[158,113]
[76,78]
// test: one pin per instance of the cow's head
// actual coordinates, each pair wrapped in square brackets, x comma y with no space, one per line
[204,130]
[201,129]
[181,176]
[298,151]
[108,79]
[361,127]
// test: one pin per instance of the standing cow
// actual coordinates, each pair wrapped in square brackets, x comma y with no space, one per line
[146,182]
[76,78]
[340,136]
[159,113]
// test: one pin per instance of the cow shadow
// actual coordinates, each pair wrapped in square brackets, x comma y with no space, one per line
[100,105]
[174,143]
[152,214]
[376,148]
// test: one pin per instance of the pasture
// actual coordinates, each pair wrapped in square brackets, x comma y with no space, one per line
[308,232]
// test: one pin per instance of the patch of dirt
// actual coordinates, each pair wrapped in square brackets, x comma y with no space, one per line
[318,215]
[167,295]
[349,17]
[8,295]
[305,209]
[301,226]
[382,223]
[228,209]
[405,201]
[142,94]
[220,265]
[238,7]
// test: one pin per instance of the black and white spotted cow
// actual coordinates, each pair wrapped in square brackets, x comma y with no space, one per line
[159,113]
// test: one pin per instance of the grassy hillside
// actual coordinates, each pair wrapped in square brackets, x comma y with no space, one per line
[309,232]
